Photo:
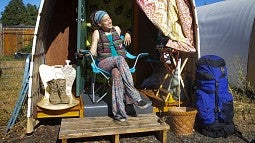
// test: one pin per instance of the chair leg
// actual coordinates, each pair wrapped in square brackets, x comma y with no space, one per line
[93,91]
[102,97]
[93,88]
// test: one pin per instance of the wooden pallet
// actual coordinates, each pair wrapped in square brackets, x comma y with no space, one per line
[103,126]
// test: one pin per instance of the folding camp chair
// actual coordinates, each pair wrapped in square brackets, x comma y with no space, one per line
[96,70]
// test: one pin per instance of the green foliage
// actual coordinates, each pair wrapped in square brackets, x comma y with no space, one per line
[16,13]
[27,48]
[7,58]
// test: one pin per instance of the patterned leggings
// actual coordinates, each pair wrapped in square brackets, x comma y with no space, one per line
[122,84]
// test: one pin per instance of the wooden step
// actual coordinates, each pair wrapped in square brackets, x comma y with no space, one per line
[103,108]
[104,126]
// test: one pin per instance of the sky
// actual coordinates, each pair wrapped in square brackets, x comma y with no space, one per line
[4,3]
[37,2]
[203,2]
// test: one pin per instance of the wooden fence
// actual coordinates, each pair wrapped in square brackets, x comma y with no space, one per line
[13,39]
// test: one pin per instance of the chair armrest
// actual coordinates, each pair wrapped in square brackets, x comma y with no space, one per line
[130,56]
[84,51]
[141,55]
[87,53]
[94,66]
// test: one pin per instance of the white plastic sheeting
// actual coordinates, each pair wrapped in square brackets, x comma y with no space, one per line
[225,30]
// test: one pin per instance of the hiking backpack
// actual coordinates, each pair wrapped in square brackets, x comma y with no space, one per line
[213,100]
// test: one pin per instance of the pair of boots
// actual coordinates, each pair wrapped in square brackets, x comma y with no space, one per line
[57,90]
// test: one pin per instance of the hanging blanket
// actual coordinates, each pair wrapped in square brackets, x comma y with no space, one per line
[174,20]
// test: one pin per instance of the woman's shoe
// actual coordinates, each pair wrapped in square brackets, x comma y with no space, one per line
[130,110]
[141,104]
[120,119]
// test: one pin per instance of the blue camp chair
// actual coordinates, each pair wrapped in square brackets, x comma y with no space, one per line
[96,70]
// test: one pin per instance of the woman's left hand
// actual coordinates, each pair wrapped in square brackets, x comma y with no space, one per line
[127,39]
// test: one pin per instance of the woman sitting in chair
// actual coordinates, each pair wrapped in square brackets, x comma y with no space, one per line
[108,47]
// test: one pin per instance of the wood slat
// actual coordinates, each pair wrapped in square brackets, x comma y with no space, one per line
[107,122]
[109,126]
[88,120]
[151,95]
[164,90]
[106,131]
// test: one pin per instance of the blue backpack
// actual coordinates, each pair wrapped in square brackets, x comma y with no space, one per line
[213,100]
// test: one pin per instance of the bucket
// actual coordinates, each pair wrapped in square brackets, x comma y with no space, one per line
[182,120]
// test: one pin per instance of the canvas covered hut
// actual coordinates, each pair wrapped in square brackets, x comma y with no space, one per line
[62,30]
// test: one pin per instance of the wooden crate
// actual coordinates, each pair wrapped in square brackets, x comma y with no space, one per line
[104,126]
[159,105]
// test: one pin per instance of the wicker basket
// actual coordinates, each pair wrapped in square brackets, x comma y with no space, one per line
[182,120]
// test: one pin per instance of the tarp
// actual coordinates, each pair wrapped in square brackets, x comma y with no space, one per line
[174,19]
[225,30]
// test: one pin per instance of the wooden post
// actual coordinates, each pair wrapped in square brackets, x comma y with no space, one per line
[117,138]
[162,136]
[64,140]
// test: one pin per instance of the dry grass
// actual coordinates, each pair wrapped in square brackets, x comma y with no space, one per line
[10,86]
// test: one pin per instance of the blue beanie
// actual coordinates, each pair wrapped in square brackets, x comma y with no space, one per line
[99,15]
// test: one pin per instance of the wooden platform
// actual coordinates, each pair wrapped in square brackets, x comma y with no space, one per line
[76,111]
[103,126]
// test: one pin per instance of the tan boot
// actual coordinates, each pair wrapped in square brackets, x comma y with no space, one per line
[53,90]
[62,91]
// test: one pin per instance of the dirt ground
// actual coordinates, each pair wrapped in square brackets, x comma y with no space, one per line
[47,130]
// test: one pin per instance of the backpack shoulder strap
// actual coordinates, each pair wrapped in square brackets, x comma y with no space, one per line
[240,135]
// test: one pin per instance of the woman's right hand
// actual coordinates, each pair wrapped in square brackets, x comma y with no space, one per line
[127,39]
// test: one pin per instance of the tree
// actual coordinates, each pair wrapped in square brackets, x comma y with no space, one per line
[16,13]
[31,14]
